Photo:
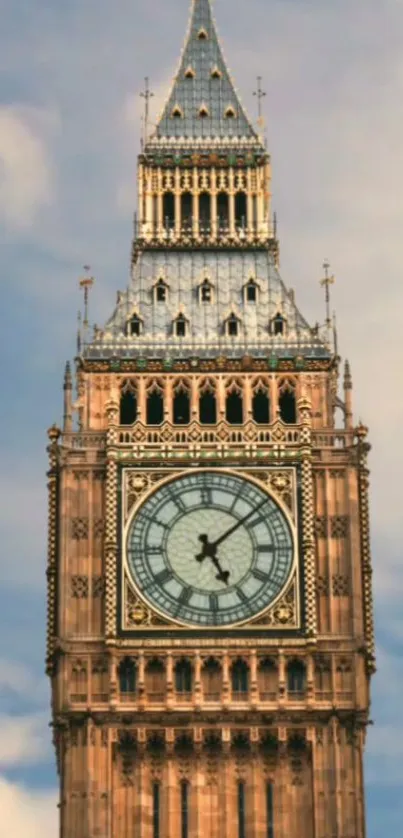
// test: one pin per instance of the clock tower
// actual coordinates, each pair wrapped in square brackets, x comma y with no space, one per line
[210,635]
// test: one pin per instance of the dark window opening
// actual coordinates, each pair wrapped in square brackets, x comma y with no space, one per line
[204,210]
[208,409]
[155,213]
[269,810]
[180,326]
[288,408]
[128,408]
[223,209]
[184,809]
[232,326]
[234,409]
[161,292]
[240,209]
[240,677]
[251,292]
[181,408]
[241,811]
[183,677]
[206,292]
[135,326]
[177,113]
[203,112]
[202,36]
[156,809]
[168,209]
[186,208]
[278,325]
[127,676]
[296,677]
[261,408]
[155,409]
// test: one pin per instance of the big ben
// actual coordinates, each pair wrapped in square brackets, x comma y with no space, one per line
[210,631]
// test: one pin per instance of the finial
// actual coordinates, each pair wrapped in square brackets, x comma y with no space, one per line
[79,333]
[86,282]
[260,94]
[68,381]
[326,282]
[146,94]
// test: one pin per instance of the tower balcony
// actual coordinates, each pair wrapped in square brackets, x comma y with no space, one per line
[195,234]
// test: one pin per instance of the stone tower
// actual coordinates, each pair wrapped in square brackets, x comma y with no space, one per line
[210,636]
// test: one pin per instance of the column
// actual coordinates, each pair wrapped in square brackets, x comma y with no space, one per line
[231,196]
[178,208]
[253,676]
[197,679]
[195,191]
[249,219]
[214,203]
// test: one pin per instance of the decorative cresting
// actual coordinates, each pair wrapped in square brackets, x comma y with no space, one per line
[51,572]
[308,517]
[111,521]
[366,564]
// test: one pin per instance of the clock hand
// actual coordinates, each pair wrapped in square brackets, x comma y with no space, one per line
[236,526]
[209,552]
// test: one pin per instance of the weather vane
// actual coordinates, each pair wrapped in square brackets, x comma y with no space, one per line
[147,95]
[260,94]
[326,282]
[86,283]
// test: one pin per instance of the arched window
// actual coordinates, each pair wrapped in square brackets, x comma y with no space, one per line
[240,209]
[128,405]
[287,406]
[180,326]
[277,325]
[241,809]
[160,291]
[232,326]
[183,677]
[261,405]
[187,209]
[204,211]
[156,810]
[168,210]
[251,292]
[155,405]
[127,676]
[240,677]
[212,680]
[267,679]
[184,809]
[206,292]
[207,408]
[223,210]
[296,678]
[234,406]
[134,326]
[181,405]
[155,679]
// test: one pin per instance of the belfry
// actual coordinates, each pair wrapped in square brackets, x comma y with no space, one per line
[210,631]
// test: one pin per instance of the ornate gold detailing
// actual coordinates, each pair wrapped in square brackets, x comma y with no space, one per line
[308,527]
[285,613]
[136,613]
[53,451]
[363,482]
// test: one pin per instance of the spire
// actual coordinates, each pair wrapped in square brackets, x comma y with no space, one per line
[68,410]
[203,102]
[348,396]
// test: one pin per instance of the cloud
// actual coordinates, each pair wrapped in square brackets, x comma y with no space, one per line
[26,177]
[24,740]
[27,813]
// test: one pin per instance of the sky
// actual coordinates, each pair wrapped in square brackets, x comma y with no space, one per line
[70,111]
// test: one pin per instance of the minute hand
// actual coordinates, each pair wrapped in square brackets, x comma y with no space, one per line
[238,524]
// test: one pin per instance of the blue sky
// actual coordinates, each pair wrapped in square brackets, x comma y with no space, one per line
[70,76]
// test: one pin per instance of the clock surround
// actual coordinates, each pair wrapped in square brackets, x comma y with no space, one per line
[281,614]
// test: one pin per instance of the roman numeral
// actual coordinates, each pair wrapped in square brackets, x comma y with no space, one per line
[265,548]
[258,574]
[185,596]
[206,496]
[242,595]
[163,577]
[213,602]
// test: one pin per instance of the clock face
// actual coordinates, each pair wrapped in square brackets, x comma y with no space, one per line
[210,549]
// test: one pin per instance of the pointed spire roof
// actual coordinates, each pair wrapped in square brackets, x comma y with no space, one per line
[203,102]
